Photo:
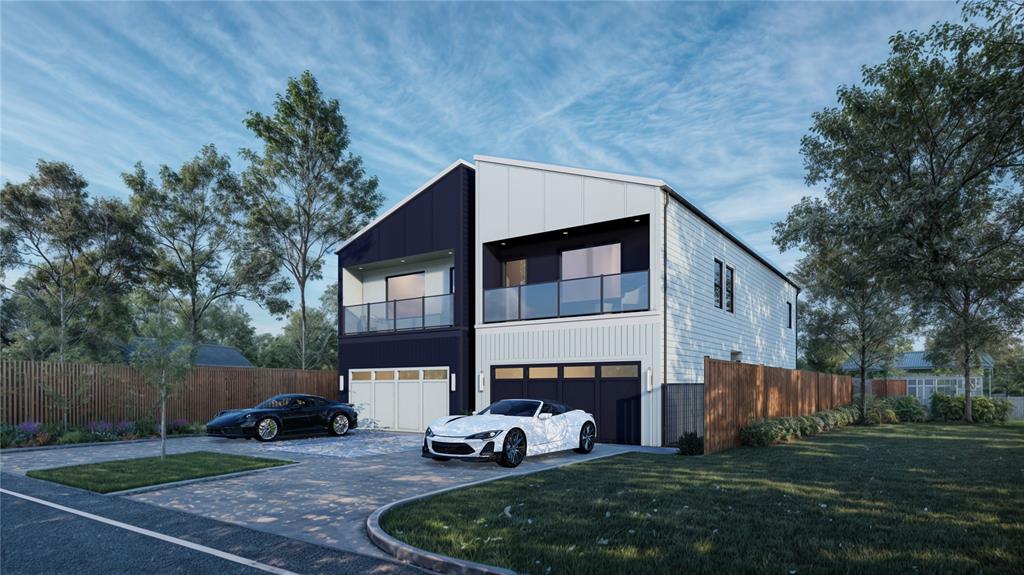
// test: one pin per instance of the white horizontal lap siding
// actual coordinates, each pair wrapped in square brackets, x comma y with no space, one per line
[695,327]
[579,340]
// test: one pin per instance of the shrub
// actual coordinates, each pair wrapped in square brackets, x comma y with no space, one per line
[983,409]
[147,427]
[778,429]
[75,436]
[691,444]
[907,408]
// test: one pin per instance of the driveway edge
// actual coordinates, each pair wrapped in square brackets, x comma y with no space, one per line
[8,450]
[173,484]
[435,561]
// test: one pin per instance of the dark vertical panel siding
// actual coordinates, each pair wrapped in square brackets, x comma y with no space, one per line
[439,218]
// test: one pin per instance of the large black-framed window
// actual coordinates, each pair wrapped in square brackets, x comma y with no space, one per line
[591,261]
[405,286]
[729,289]
[718,284]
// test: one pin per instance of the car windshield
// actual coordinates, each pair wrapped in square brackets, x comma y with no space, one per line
[274,402]
[512,407]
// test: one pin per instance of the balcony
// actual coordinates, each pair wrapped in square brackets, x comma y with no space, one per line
[399,315]
[567,298]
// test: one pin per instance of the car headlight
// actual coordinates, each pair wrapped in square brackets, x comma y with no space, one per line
[486,434]
[430,432]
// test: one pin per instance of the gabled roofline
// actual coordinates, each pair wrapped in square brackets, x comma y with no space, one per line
[655,182]
[571,170]
[405,200]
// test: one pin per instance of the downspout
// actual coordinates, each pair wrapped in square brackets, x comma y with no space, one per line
[664,311]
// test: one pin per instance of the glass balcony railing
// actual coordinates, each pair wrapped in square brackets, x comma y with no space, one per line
[399,315]
[583,296]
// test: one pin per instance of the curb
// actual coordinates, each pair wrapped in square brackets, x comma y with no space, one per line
[173,484]
[435,561]
[7,450]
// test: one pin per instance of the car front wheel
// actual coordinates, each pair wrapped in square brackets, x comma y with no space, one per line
[587,436]
[339,424]
[266,429]
[513,451]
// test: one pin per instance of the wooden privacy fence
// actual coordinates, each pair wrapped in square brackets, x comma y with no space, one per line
[888,387]
[736,394]
[32,391]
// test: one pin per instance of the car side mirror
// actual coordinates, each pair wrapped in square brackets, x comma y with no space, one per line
[544,416]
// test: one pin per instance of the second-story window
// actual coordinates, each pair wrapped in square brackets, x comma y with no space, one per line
[406,286]
[789,315]
[593,261]
[718,284]
[514,272]
[729,292]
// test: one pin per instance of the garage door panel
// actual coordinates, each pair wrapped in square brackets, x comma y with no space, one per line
[542,389]
[361,395]
[580,394]
[435,401]
[620,406]
[384,403]
[408,405]
[506,389]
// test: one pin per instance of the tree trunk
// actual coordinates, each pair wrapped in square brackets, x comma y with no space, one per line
[63,324]
[163,415]
[863,385]
[968,415]
[302,330]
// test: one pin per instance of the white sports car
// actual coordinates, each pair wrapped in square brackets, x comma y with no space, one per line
[509,430]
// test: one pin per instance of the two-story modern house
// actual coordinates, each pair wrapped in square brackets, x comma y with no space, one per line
[595,289]
[406,300]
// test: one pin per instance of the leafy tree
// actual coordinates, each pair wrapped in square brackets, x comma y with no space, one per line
[80,255]
[200,252]
[161,357]
[305,193]
[285,350]
[928,157]
[227,323]
[851,310]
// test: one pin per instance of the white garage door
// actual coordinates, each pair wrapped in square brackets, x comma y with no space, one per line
[403,399]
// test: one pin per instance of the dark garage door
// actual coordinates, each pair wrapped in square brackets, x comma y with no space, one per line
[610,391]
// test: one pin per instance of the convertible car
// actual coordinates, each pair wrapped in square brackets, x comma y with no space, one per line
[289,413]
[509,430]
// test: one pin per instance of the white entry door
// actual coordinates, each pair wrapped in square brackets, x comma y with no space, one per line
[402,399]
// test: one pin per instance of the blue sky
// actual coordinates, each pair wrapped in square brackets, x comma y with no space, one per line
[712,98]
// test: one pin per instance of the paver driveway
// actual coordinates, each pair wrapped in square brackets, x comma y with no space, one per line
[325,499]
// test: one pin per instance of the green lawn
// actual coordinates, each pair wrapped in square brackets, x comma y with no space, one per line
[913,498]
[142,472]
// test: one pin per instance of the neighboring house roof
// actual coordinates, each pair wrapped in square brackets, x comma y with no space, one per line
[915,361]
[405,200]
[655,182]
[208,354]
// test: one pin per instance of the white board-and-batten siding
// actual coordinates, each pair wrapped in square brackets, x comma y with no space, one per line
[695,327]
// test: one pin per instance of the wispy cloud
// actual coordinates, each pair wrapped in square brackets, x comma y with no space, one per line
[713,98]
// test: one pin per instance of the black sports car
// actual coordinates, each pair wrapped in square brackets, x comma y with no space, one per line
[288,413]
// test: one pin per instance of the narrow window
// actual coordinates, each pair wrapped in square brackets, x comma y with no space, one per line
[729,289]
[718,284]
[736,356]
[515,272]
[451,280]
[789,315]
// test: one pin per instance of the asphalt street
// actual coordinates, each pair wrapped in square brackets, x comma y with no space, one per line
[37,539]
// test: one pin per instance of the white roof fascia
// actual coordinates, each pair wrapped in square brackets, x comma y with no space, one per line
[405,200]
[575,171]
